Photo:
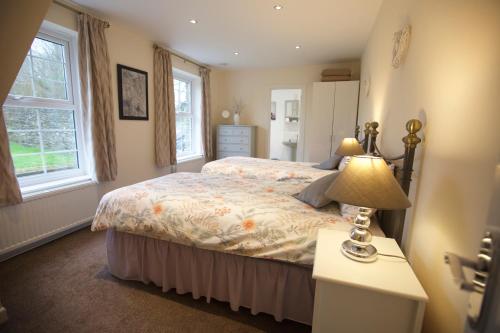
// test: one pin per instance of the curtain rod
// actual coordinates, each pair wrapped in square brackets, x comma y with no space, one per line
[183,58]
[76,8]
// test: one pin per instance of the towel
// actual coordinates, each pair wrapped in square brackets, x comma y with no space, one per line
[336,71]
[332,78]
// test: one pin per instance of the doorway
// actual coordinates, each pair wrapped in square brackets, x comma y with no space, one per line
[285,120]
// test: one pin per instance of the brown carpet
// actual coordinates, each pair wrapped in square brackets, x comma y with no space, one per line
[65,286]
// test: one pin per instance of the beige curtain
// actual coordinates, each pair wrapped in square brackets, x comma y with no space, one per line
[164,109]
[206,125]
[97,102]
[10,193]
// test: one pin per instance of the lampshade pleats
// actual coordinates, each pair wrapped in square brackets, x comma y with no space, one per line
[367,181]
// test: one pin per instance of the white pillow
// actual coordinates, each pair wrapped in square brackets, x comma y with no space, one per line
[343,163]
[351,211]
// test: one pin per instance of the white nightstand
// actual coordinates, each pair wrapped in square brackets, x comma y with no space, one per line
[383,296]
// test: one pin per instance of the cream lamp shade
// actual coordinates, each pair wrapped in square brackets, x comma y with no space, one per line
[349,147]
[367,181]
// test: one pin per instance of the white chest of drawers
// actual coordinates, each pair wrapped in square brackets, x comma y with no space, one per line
[235,140]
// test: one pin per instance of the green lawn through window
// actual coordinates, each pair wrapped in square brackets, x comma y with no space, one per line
[33,163]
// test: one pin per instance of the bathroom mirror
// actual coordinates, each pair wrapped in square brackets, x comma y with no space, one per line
[292,110]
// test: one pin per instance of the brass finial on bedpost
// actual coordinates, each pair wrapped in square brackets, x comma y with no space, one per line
[356,132]
[373,133]
[367,128]
[412,140]
[366,139]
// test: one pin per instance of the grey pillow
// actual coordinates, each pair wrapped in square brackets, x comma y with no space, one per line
[314,194]
[329,164]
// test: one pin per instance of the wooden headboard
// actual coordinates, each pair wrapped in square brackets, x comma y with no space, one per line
[392,222]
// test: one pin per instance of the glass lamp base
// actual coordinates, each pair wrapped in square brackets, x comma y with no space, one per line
[354,252]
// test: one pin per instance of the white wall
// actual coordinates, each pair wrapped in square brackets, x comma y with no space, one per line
[254,87]
[450,81]
[36,219]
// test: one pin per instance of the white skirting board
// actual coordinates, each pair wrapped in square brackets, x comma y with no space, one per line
[43,239]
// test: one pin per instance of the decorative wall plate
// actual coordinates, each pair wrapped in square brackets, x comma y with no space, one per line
[401,44]
[366,87]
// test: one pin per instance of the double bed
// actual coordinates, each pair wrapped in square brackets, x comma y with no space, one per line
[233,232]
[234,239]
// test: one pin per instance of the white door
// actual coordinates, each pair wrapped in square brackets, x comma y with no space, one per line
[319,122]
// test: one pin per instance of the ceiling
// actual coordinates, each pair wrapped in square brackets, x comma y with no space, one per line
[326,30]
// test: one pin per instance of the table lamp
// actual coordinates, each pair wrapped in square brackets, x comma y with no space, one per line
[349,147]
[366,182]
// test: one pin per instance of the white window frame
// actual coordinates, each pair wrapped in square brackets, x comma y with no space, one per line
[194,114]
[189,114]
[55,179]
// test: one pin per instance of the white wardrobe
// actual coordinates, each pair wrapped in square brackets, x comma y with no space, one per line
[331,118]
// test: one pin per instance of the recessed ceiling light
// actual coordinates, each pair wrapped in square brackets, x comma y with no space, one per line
[236,53]
[278,7]
[298,46]
[193,21]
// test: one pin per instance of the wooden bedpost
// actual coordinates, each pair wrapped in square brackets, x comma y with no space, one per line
[366,139]
[373,136]
[356,133]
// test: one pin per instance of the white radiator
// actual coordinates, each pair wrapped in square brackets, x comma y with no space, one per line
[40,220]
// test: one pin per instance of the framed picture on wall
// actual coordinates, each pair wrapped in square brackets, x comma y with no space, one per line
[132,93]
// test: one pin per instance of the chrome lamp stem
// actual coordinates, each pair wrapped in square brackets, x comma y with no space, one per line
[358,247]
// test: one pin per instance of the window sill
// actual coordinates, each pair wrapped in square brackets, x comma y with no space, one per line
[185,159]
[51,188]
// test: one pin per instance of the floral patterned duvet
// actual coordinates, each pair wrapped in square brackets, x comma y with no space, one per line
[228,214]
[258,168]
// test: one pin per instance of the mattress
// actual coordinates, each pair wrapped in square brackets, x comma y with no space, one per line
[233,215]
